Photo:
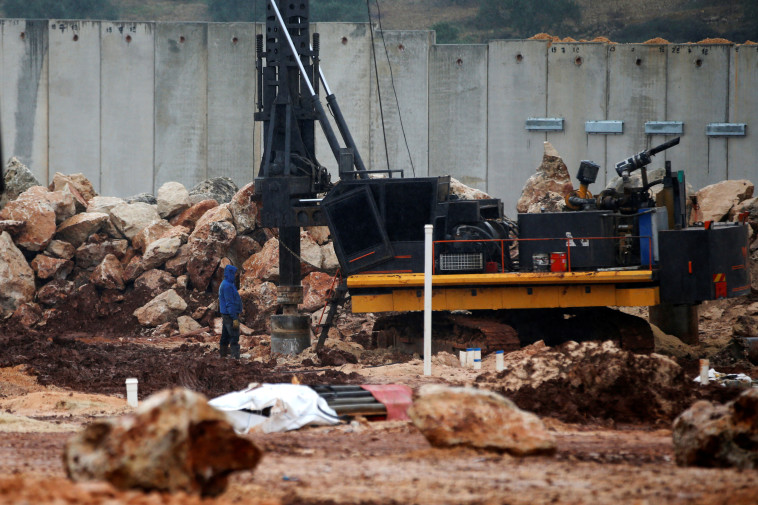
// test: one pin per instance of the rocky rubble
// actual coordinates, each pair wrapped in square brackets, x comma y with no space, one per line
[714,435]
[164,253]
[579,381]
[174,442]
[449,416]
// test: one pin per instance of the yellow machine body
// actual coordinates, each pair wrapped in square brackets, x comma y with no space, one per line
[510,290]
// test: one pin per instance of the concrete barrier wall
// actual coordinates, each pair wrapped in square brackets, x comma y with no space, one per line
[134,105]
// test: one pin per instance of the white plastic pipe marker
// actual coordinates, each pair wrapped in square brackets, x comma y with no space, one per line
[131,392]
[428,264]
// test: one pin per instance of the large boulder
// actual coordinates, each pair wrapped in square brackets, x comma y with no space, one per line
[316,286]
[16,277]
[242,248]
[77,184]
[214,215]
[159,251]
[310,254]
[330,264]
[158,230]
[714,435]
[154,281]
[244,210]
[62,203]
[90,255]
[259,302]
[143,198]
[131,218]
[37,213]
[546,190]
[164,308]
[221,189]
[60,249]
[173,198]
[463,192]
[173,442]
[18,178]
[208,244]
[103,203]
[47,267]
[715,202]
[190,216]
[109,274]
[77,229]
[55,292]
[262,266]
[455,416]
[177,265]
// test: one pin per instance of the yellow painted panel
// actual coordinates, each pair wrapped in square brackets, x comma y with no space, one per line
[507,298]
[372,303]
[637,297]
[508,278]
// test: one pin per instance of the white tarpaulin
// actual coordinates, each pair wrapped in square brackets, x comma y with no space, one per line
[292,406]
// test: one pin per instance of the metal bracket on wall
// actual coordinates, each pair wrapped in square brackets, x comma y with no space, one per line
[605,127]
[664,127]
[725,129]
[545,124]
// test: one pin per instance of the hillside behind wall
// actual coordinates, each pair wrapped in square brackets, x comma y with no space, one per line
[134,105]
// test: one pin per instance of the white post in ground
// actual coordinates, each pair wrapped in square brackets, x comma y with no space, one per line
[428,264]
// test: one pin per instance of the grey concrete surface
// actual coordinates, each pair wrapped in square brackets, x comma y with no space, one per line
[24,91]
[576,91]
[345,61]
[74,99]
[126,101]
[636,94]
[743,107]
[176,102]
[232,149]
[697,93]
[517,88]
[181,104]
[458,113]
[404,139]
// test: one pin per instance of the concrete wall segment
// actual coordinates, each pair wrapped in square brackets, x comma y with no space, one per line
[231,101]
[697,94]
[74,99]
[576,92]
[407,141]
[516,90]
[458,113]
[743,108]
[636,94]
[24,91]
[346,63]
[181,95]
[127,104]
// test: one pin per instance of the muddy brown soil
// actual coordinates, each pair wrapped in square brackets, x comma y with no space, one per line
[103,366]
[392,463]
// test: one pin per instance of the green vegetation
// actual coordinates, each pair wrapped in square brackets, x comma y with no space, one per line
[524,18]
[447,33]
[321,10]
[60,9]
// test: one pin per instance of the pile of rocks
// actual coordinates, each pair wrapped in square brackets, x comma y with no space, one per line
[64,240]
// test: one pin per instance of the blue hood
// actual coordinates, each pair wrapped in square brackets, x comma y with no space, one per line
[229,272]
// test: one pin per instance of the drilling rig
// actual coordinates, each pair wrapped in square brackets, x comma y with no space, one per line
[619,248]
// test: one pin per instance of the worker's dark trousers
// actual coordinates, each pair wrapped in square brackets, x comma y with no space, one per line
[230,337]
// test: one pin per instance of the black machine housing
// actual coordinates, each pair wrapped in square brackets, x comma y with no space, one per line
[377,225]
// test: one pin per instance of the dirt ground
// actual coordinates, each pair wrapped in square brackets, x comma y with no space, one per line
[52,384]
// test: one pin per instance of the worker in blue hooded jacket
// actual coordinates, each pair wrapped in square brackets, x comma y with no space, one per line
[230,306]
